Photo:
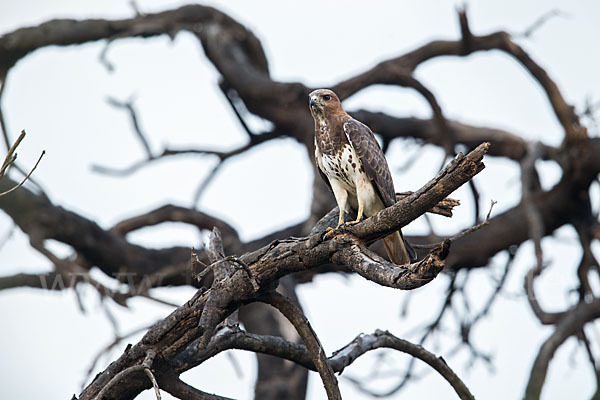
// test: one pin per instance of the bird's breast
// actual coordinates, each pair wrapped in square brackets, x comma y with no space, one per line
[343,166]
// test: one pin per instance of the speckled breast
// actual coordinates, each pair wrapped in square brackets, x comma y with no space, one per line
[343,166]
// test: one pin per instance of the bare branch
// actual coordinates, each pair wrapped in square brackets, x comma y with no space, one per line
[459,171]
[462,234]
[384,339]
[369,265]
[173,213]
[295,315]
[144,367]
[11,156]
[118,339]
[298,353]
[444,207]
[541,21]
[178,388]
[26,177]
[128,106]
[198,318]
[221,155]
[572,323]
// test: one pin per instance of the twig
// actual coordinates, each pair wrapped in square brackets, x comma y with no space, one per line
[444,207]
[538,23]
[204,183]
[8,235]
[136,8]
[66,266]
[11,156]
[254,141]
[428,331]
[410,160]
[2,120]
[497,289]
[104,59]
[464,233]
[147,365]
[475,194]
[128,105]
[228,92]
[144,367]
[26,177]
[110,346]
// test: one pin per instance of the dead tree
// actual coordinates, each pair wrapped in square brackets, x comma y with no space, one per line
[233,276]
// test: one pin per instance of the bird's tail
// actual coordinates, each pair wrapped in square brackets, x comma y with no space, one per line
[399,251]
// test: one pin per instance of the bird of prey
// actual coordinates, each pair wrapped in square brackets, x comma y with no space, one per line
[354,166]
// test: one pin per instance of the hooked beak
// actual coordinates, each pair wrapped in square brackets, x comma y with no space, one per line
[314,104]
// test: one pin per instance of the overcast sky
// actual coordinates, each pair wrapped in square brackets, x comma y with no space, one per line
[59,96]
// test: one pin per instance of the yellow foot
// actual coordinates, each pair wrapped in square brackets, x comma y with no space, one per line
[330,232]
[356,221]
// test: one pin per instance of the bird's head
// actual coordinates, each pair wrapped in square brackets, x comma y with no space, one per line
[323,101]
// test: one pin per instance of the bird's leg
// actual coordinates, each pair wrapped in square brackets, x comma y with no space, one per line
[340,219]
[341,197]
[359,214]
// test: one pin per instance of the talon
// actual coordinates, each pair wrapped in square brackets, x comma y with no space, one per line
[329,234]
[331,231]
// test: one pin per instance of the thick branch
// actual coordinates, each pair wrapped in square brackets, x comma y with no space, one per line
[389,71]
[299,354]
[310,339]
[178,388]
[360,259]
[454,175]
[268,264]
[502,143]
[570,325]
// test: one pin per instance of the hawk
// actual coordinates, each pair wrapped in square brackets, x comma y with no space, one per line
[354,166]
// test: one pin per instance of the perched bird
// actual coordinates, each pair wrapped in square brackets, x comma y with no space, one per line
[354,166]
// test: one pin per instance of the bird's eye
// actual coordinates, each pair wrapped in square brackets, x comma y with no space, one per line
[327,97]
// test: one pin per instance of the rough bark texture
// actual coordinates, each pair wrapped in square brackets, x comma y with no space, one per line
[238,274]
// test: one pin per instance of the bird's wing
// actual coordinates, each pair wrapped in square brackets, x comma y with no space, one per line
[319,161]
[372,158]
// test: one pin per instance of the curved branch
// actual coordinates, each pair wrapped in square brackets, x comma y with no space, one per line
[310,339]
[299,354]
[388,71]
[181,390]
[173,213]
[454,175]
[381,339]
[64,32]
[197,318]
[254,141]
[569,325]
[502,143]
[38,281]
[369,265]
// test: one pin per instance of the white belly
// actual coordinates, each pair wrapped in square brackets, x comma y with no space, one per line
[344,169]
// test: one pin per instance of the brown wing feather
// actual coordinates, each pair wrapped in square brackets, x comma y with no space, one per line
[372,158]
[318,156]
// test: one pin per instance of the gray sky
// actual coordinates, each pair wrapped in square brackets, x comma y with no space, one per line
[58,95]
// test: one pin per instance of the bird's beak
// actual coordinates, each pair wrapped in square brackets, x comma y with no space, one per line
[314,104]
